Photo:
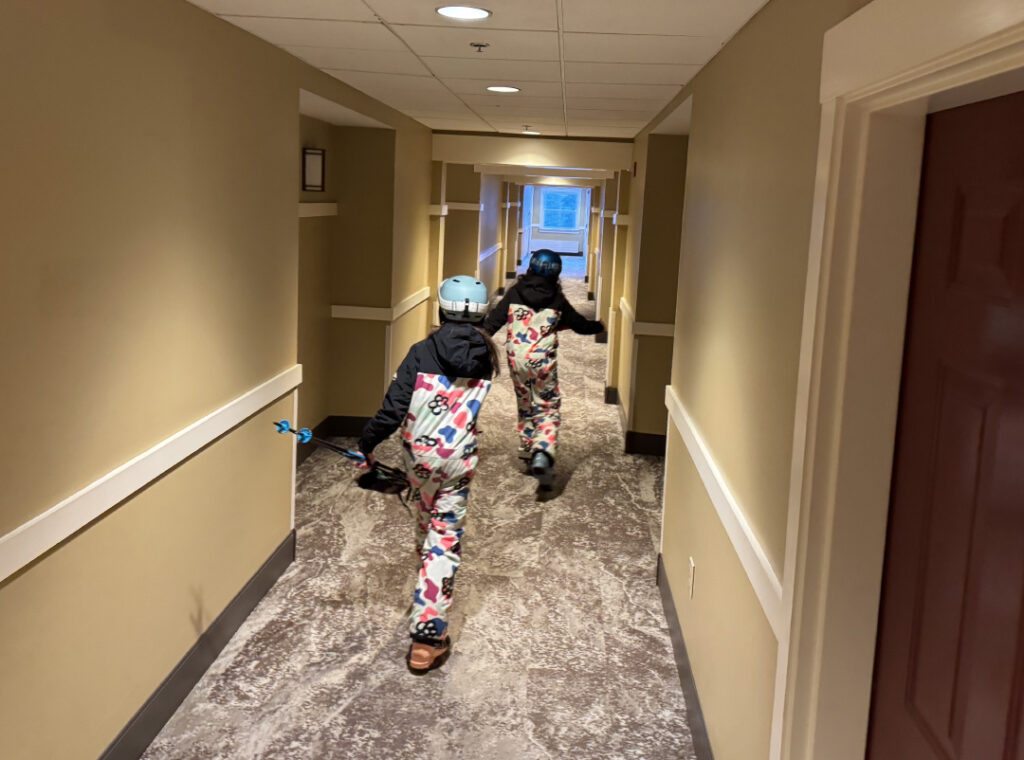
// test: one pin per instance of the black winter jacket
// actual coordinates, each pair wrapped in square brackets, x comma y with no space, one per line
[540,293]
[455,350]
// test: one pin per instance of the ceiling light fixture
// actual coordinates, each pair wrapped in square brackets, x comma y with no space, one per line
[463,12]
[502,88]
[528,131]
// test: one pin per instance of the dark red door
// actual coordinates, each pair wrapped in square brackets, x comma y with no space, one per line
[949,674]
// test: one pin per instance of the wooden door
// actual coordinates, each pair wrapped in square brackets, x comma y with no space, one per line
[949,673]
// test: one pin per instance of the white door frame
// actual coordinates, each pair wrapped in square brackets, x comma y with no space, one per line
[884,69]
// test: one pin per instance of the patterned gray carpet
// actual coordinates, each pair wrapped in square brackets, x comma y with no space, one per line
[560,645]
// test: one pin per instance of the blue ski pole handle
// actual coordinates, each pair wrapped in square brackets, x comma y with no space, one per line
[305,435]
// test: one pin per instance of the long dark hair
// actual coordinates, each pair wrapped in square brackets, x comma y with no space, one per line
[492,351]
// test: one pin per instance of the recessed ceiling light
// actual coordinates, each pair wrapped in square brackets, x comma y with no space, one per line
[463,12]
[502,88]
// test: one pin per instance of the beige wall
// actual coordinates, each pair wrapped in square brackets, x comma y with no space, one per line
[316,248]
[750,172]
[649,283]
[750,177]
[729,642]
[410,328]
[411,223]
[167,151]
[461,242]
[91,629]
[490,222]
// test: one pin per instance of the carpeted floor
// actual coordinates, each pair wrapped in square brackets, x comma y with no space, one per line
[560,645]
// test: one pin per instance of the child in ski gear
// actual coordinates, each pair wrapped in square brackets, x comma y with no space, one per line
[435,398]
[534,309]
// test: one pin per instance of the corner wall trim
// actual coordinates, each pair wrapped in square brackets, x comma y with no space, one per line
[486,254]
[694,715]
[622,220]
[438,209]
[307,210]
[650,329]
[766,583]
[381,313]
[45,531]
[144,726]
[645,443]
[452,206]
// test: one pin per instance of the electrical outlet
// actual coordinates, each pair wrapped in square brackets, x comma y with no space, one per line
[693,572]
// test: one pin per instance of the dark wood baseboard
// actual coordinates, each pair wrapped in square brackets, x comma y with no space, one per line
[694,715]
[611,395]
[134,738]
[501,290]
[331,427]
[601,337]
[645,443]
[510,275]
[586,278]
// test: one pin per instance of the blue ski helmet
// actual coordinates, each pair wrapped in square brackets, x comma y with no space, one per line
[546,263]
[463,299]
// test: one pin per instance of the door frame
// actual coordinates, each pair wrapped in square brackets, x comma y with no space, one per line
[884,69]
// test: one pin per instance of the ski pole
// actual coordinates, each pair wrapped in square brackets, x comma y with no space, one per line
[305,435]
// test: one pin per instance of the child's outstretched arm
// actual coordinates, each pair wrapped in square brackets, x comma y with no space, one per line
[498,316]
[573,320]
[393,410]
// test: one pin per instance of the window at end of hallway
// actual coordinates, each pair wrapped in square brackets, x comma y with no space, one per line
[560,208]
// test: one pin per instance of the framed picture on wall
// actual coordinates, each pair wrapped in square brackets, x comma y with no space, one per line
[313,169]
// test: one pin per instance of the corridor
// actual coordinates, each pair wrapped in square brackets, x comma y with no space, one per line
[560,643]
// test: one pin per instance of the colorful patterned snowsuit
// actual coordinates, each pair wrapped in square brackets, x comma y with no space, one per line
[436,398]
[532,347]
[440,442]
[533,311]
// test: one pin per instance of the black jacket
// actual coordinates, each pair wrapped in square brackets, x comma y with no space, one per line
[455,350]
[540,293]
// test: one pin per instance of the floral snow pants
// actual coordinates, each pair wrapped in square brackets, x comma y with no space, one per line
[539,402]
[440,488]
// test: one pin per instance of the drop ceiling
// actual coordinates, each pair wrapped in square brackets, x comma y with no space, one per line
[585,68]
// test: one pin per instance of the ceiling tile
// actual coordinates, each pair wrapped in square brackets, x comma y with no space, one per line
[515,100]
[350,34]
[537,113]
[713,18]
[385,61]
[405,93]
[495,70]
[637,91]
[546,128]
[340,10]
[617,132]
[505,14]
[630,73]
[639,48]
[575,114]
[504,45]
[526,89]
[458,125]
[619,104]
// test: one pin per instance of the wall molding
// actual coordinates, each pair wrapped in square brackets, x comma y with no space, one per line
[381,313]
[486,254]
[307,210]
[147,723]
[438,209]
[45,531]
[649,329]
[765,581]
[622,220]
[451,206]
[608,214]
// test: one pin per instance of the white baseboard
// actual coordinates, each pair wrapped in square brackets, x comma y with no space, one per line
[43,532]
[765,581]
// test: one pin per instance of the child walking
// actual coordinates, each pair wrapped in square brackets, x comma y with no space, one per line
[534,310]
[436,398]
